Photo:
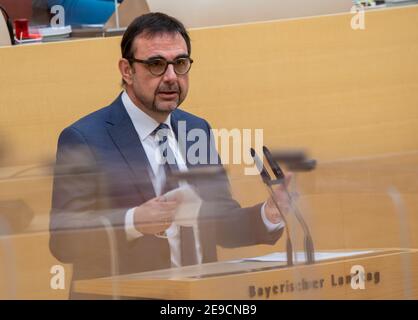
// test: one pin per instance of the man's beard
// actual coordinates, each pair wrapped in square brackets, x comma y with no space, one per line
[155,108]
[152,105]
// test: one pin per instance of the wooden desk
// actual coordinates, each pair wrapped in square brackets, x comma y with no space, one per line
[389,274]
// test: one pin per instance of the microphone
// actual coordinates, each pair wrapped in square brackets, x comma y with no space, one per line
[308,242]
[268,182]
[278,172]
[260,167]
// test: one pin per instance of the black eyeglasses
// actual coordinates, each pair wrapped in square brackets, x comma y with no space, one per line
[158,66]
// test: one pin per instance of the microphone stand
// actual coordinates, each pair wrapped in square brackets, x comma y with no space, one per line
[299,165]
[269,182]
[289,247]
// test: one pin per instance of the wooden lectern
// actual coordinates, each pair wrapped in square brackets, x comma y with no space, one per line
[386,274]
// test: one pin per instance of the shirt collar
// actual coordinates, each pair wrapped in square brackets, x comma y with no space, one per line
[142,122]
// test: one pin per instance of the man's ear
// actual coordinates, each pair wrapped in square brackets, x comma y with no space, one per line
[126,70]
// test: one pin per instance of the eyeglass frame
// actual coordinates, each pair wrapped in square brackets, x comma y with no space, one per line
[168,62]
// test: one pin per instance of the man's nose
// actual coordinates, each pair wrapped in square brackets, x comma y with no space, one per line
[170,75]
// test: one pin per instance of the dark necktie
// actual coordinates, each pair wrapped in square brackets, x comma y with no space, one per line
[167,156]
[187,239]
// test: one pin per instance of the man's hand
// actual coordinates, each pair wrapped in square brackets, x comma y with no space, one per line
[272,214]
[155,215]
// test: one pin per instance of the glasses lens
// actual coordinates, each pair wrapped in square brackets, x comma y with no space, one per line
[157,66]
[182,65]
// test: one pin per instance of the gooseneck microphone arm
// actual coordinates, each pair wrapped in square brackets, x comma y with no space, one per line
[267,181]
[278,172]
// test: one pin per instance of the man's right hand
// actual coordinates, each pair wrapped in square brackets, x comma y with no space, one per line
[155,215]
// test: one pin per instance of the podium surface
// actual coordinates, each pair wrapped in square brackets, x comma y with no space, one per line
[388,274]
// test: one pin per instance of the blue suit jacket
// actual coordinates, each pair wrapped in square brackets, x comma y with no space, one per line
[102,171]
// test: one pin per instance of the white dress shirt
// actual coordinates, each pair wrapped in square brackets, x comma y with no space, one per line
[144,126]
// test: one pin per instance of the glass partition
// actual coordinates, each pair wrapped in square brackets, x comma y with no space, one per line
[336,107]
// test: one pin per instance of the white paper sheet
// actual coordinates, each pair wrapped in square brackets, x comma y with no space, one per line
[300,256]
[190,202]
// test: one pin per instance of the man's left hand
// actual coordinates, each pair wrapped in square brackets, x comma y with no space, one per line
[280,194]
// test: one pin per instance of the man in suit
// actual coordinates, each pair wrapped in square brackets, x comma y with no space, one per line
[108,173]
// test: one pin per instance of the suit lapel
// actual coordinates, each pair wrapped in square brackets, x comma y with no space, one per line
[125,137]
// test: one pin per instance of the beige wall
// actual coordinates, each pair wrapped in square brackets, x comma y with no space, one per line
[312,83]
